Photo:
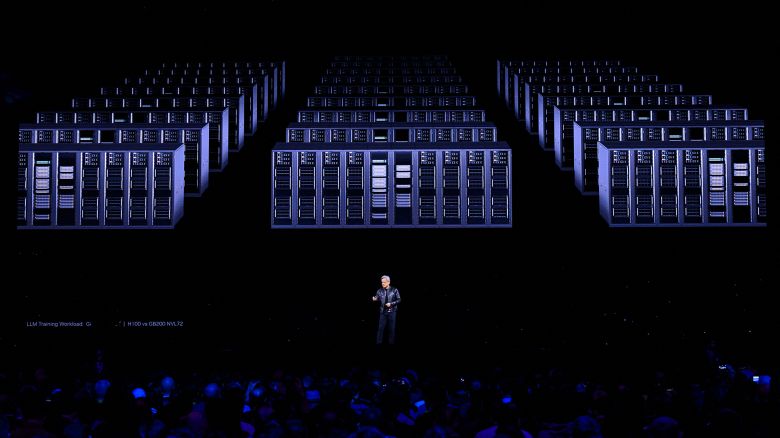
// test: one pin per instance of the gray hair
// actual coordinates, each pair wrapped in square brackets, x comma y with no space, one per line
[386,277]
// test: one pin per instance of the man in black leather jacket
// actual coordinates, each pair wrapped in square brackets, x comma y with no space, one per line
[388,297]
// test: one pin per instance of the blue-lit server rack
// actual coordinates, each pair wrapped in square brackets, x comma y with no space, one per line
[391,63]
[687,183]
[390,101]
[390,71]
[100,185]
[391,116]
[394,133]
[568,109]
[626,100]
[570,75]
[234,103]
[194,137]
[392,185]
[588,134]
[277,71]
[508,70]
[390,90]
[547,96]
[390,80]
[255,95]
[216,119]
[249,93]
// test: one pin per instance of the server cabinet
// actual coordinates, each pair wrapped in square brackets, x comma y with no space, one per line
[194,138]
[513,73]
[216,120]
[596,75]
[588,134]
[684,183]
[546,97]
[252,105]
[390,90]
[696,108]
[234,104]
[275,70]
[621,100]
[410,185]
[393,133]
[585,134]
[260,101]
[86,185]
[389,79]
[390,71]
[391,101]
[391,116]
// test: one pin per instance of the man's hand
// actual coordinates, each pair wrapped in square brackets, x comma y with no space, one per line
[374,298]
[388,305]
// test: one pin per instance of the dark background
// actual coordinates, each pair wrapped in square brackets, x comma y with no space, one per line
[558,287]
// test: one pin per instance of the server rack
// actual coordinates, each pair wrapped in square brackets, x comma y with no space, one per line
[390,90]
[567,109]
[389,64]
[685,183]
[79,186]
[193,136]
[588,134]
[624,101]
[264,94]
[279,66]
[516,93]
[408,58]
[398,185]
[390,80]
[234,104]
[510,83]
[390,101]
[216,120]
[254,107]
[566,115]
[394,133]
[276,69]
[540,115]
[391,116]
[390,71]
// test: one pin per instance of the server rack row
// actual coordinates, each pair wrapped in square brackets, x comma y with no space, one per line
[389,71]
[604,75]
[389,64]
[540,99]
[253,107]
[372,90]
[395,133]
[264,95]
[564,117]
[420,185]
[506,69]
[100,186]
[588,134]
[546,114]
[567,115]
[651,183]
[194,137]
[216,120]
[391,116]
[234,104]
[390,80]
[516,78]
[366,58]
[277,69]
[391,101]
